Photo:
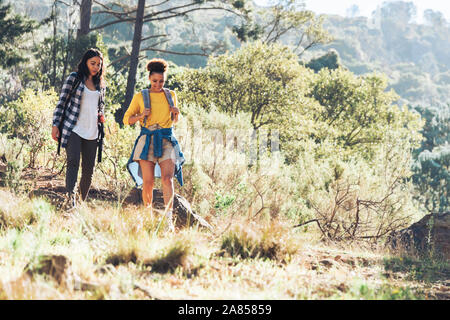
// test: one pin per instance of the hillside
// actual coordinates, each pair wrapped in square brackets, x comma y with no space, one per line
[415,57]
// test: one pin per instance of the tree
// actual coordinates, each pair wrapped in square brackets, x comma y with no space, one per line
[12,29]
[261,79]
[85,18]
[134,58]
[399,11]
[285,20]
[434,18]
[358,111]
[329,60]
[432,160]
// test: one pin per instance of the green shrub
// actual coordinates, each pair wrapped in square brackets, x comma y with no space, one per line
[29,119]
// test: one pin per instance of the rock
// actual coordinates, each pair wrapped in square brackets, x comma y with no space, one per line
[182,210]
[431,232]
[327,263]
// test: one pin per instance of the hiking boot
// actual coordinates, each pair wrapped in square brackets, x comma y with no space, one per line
[71,202]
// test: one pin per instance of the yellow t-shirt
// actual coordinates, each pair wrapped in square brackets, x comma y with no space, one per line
[160,113]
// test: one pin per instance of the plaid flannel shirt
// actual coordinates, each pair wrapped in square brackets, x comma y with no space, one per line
[73,107]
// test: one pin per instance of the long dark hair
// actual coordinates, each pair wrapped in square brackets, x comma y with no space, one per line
[83,69]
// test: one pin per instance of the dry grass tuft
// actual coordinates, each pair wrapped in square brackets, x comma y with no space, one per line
[173,256]
[122,257]
[272,240]
[20,212]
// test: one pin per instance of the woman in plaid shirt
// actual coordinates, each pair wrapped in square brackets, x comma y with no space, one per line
[79,119]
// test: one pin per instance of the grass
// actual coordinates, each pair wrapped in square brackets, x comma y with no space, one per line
[270,240]
[173,256]
[427,269]
[119,252]
[385,292]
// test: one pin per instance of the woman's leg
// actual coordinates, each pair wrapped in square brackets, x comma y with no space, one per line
[73,150]
[148,177]
[167,172]
[88,153]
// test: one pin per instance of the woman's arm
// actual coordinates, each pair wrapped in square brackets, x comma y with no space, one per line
[133,114]
[139,116]
[65,91]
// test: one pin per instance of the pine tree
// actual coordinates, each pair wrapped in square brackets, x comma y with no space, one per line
[12,28]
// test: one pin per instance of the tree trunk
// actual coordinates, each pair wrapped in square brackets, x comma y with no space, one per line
[85,18]
[55,30]
[134,59]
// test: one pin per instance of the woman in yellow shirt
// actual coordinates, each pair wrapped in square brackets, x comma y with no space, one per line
[156,143]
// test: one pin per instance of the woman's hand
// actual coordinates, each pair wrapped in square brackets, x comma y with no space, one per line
[145,113]
[175,111]
[140,116]
[55,133]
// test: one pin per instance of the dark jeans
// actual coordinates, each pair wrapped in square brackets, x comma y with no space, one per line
[88,149]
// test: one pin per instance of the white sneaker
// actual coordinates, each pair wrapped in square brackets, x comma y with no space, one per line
[169,221]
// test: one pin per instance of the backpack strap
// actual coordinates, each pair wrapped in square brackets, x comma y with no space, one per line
[169,100]
[169,97]
[147,103]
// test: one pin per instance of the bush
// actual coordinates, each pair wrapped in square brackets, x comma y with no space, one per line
[29,119]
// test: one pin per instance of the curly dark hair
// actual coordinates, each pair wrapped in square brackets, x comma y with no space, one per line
[157,65]
[83,69]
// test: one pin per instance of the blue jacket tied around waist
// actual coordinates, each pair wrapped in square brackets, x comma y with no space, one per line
[166,133]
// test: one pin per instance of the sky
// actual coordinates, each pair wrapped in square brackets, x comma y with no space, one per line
[367,6]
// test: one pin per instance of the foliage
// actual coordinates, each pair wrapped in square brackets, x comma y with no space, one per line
[386,292]
[432,160]
[330,60]
[12,151]
[171,257]
[342,132]
[29,119]
[355,199]
[285,21]
[12,28]
[358,110]
[258,78]
[426,269]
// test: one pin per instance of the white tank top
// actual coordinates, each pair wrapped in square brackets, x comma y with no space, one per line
[86,126]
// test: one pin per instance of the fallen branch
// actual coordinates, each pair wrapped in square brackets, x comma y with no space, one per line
[308,222]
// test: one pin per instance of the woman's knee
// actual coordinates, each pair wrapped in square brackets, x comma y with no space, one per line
[87,170]
[148,182]
[167,180]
